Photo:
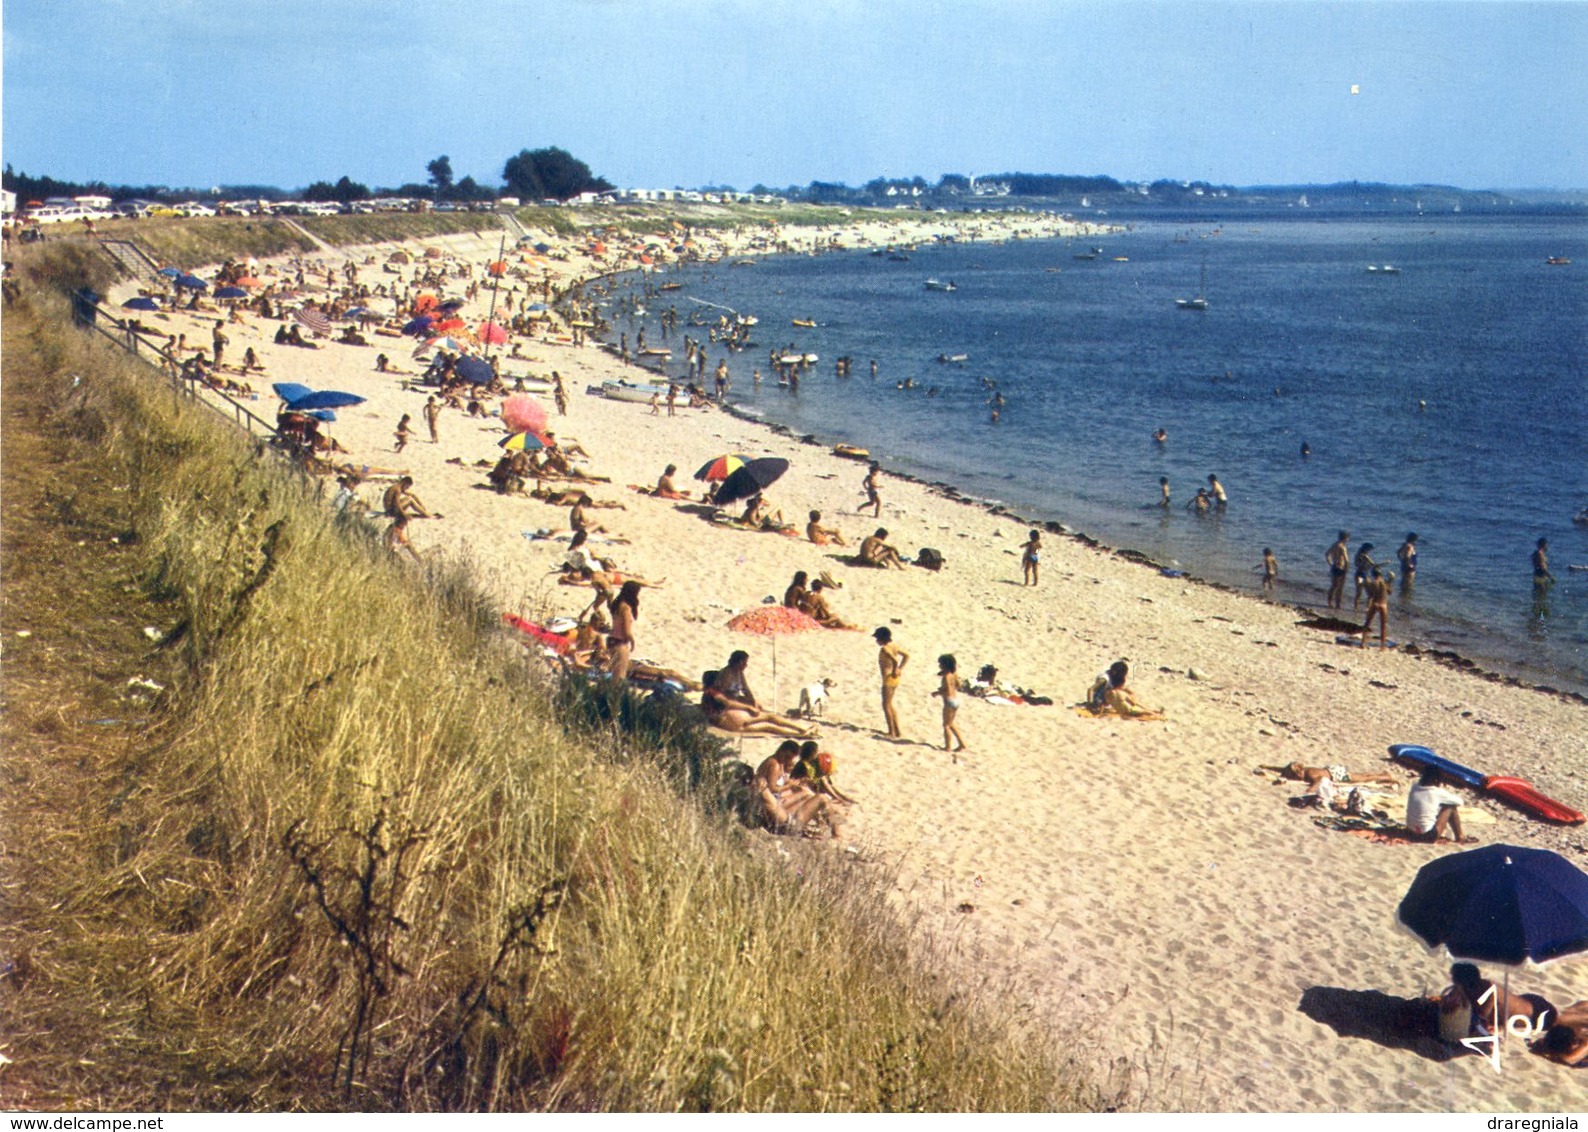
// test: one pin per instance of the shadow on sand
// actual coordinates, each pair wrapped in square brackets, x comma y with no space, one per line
[1394,1023]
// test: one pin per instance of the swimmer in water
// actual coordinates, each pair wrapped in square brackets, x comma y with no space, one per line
[1306,450]
[1339,560]
[1161,436]
[1541,575]
[1407,554]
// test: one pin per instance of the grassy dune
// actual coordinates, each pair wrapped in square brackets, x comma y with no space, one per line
[358,856]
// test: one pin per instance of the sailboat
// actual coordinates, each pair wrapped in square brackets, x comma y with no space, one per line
[1200,303]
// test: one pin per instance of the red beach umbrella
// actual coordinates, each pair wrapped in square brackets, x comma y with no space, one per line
[522,413]
[721,467]
[492,333]
[448,325]
[497,269]
[773,621]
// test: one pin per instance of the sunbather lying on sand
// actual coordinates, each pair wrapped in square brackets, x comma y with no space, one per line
[729,714]
[1312,775]
[1566,1041]
[1462,1014]
[1110,696]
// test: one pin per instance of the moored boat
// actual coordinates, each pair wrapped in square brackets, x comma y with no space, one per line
[940,285]
[623,391]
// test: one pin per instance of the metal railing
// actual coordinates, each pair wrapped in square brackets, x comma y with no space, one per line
[89,314]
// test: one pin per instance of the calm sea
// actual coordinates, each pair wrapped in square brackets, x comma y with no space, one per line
[1447,398]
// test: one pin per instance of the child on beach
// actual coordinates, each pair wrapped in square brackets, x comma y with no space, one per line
[1030,557]
[821,535]
[872,489]
[948,689]
[891,660]
[403,433]
[1270,568]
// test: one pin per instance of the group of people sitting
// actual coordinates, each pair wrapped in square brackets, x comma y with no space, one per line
[728,704]
[810,598]
[1110,694]
[795,787]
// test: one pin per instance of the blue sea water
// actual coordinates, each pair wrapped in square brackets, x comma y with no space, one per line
[1450,398]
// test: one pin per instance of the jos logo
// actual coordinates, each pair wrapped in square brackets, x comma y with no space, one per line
[1518,1025]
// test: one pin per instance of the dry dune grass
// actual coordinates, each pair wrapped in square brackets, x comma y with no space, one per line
[358,859]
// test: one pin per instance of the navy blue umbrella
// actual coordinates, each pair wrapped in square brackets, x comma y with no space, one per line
[192,282]
[451,305]
[477,370]
[324,399]
[1500,904]
[325,415]
[543,248]
[141,303]
[171,272]
[419,326]
[750,479]
[231,293]
[290,391]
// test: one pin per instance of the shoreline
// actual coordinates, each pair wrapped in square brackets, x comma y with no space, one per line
[1144,871]
[1449,658]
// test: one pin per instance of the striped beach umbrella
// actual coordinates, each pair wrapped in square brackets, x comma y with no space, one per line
[313,319]
[522,442]
[721,467]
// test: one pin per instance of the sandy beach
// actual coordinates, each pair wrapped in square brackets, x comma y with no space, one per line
[1141,886]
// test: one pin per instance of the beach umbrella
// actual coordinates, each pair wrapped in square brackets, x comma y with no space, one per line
[313,319]
[498,269]
[476,370]
[324,399]
[536,307]
[445,342]
[432,253]
[522,442]
[248,281]
[448,325]
[399,257]
[522,413]
[141,303]
[1499,904]
[231,293]
[544,248]
[420,325]
[425,302]
[171,272]
[363,314]
[773,621]
[719,468]
[492,333]
[452,305]
[290,391]
[325,415]
[192,283]
[755,476]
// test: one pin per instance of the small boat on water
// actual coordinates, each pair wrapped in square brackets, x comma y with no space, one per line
[1558,261]
[799,359]
[850,452]
[1122,259]
[670,287]
[744,263]
[1200,303]
[805,322]
[940,285]
[1383,269]
[953,358]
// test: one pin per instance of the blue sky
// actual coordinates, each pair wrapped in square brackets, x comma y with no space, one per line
[661,93]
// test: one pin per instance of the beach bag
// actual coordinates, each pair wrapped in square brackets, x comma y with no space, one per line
[929,558]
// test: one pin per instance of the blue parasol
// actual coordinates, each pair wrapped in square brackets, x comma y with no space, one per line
[290,391]
[141,303]
[1500,904]
[324,399]
[192,283]
[419,326]
[477,370]
[171,272]
[231,293]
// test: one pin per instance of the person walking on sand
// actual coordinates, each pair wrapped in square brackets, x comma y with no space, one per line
[1270,569]
[1031,557]
[1378,591]
[432,415]
[1407,554]
[403,433]
[672,398]
[559,393]
[1339,560]
[1364,568]
[218,337]
[871,486]
[948,688]
[400,505]
[891,660]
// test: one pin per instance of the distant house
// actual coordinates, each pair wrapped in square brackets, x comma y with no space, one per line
[8,202]
[93,201]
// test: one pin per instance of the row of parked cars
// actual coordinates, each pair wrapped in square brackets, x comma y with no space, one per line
[61,211]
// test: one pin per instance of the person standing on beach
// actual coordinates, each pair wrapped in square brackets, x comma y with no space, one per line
[891,660]
[1378,591]
[624,611]
[870,485]
[672,398]
[1216,490]
[1031,557]
[432,415]
[559,392]
[1541,575]
[1339,560]
[403,433]
[949,690]
[1408,560]
[218,336]
[1364,567]
[1270,569]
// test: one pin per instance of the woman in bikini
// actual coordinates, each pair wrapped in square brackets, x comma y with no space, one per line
[949,689]
[891,660]
[723,711]
[788,804]
[625,610]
